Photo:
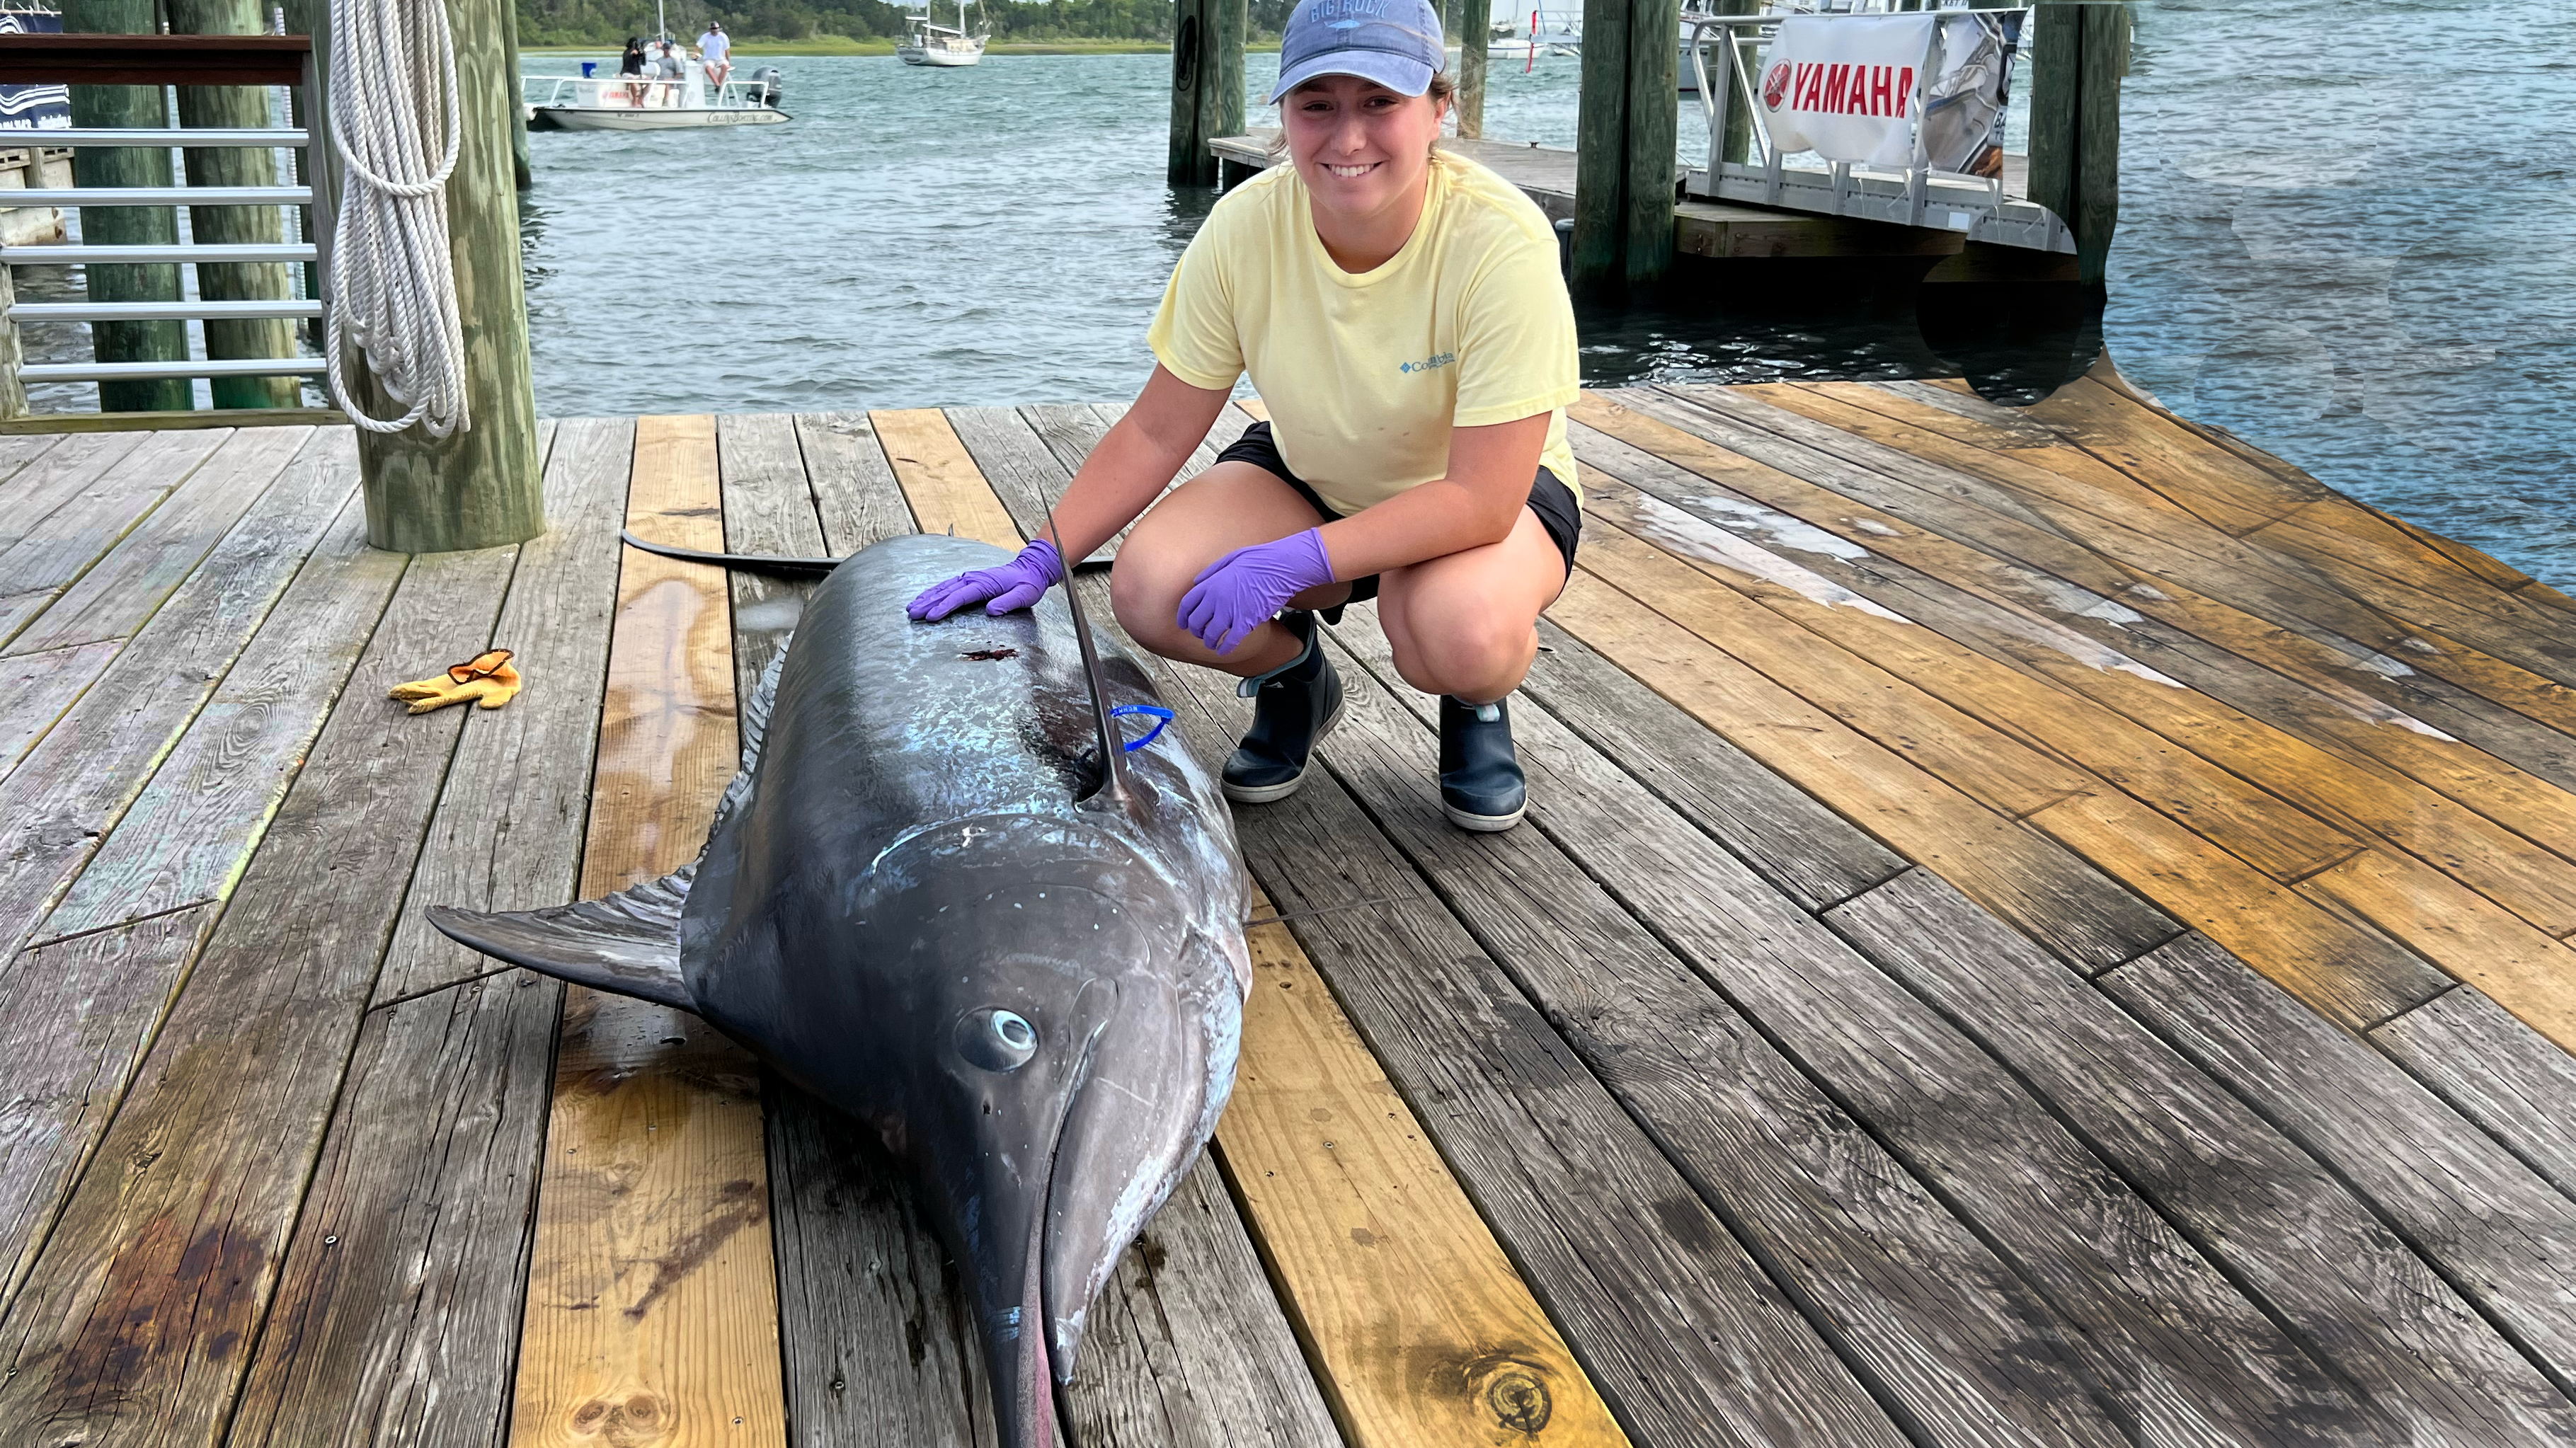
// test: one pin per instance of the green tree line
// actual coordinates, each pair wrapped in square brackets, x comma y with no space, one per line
[609,22]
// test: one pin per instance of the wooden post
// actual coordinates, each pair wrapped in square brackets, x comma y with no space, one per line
[13,393]
[2078,56]
[1598,259]
[1207,85]
[1475,28]
[128,106]
[1654,120]
[205,106]
[523,171]
[1739,111]
[478,488]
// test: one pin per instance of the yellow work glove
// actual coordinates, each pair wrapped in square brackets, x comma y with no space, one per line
[487,679]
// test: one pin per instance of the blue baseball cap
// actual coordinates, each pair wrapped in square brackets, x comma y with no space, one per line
[1396,43]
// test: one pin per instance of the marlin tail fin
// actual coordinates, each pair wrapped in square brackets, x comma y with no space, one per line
[627,943]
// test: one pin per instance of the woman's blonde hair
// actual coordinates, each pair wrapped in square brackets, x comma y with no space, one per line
[1442,91]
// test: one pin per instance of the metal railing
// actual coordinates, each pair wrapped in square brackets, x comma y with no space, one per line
[1916,195]
[157,60]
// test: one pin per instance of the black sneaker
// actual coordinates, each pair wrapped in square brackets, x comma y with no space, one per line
[1480,777]
[1294,705]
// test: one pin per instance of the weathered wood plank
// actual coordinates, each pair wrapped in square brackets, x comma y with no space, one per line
[69,791]
[2088,1274]
[113,598]
[134,1325]
[1832,595]
[75,1016]
[2284,1227]
[57,549]
[2500,1236]
[1679,1329]
[2233,495]
[2476,940]
[881,1350]
[2495,1071]
[1799,847]
[1726,539]
[854,489]
[510,824]
[18,454]
[768,508]
[398,1309]
[1014,460]
[191,830]
[652,1305]
[35,689]
[1980,761]
[1350,1200]
[2160,544]
[1071,430]
[2278,611]
[2007,427]
[939,477]
[63,473]
[1187,1346]
[2011,870]
[2280,839]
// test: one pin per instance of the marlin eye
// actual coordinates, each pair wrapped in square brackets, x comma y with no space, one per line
[996,1039]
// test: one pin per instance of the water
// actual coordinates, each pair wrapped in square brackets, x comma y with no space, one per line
[2342,236]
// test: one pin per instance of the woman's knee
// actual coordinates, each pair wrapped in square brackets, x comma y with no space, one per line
[1145,591]
[1470,654]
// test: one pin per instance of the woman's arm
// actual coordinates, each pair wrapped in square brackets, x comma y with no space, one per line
[1136,461]
[1490,470]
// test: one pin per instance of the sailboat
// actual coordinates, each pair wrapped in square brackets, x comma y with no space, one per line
[934,44]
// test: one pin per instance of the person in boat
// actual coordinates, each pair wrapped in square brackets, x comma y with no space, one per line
[715,52]
[632,63]
[1401,312]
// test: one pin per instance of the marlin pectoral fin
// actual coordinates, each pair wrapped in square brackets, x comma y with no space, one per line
[627,943]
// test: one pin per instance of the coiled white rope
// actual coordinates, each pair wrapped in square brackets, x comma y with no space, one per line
[393,117]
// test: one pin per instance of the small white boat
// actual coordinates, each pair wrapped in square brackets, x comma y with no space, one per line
[644,103]
[934,44]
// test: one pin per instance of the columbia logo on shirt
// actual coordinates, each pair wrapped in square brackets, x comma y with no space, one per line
[1427,363]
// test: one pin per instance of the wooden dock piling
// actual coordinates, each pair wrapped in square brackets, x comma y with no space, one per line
[128,106]
[478,488]
[1207,85]
[2079,53]
[1473,23]
[236,106]
[1601,149]
[1624,166]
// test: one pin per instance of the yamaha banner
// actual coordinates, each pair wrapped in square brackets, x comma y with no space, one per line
[1887,90]
[1844,86]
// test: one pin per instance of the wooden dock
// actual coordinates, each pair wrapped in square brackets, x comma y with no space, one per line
[2035,927]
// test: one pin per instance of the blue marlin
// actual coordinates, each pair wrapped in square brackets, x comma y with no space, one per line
[945,897]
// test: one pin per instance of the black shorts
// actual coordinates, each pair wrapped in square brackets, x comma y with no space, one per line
[1549,498]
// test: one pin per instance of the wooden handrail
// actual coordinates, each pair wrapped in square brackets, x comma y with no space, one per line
[153,59]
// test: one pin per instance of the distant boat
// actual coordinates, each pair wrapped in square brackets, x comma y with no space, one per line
[643,103]
[934,44]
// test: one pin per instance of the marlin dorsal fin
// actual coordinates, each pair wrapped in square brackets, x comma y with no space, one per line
[1113,754]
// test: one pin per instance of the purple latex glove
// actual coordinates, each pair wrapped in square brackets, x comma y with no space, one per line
[1014,585]
[1241,591]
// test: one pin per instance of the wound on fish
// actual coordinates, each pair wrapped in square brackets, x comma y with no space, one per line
[985,656]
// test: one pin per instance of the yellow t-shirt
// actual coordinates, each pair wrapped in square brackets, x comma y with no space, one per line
[1364,375]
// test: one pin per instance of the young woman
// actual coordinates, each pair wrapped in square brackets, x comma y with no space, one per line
[1401,313]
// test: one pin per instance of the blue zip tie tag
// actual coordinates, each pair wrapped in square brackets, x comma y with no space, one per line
[1162,716]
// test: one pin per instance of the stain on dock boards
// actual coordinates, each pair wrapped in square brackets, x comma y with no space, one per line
[2035,926]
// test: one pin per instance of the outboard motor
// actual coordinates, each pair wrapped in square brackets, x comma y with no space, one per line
[770,90]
